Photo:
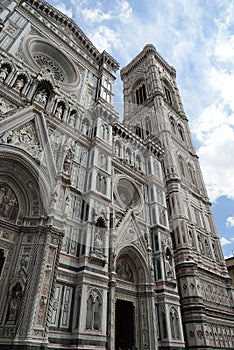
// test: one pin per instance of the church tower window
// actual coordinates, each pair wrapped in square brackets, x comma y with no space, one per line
[2,260]
[181,132]
[140,94]
[168,95]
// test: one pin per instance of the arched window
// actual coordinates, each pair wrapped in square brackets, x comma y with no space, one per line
[191,174]
[181,132]
[164,323]
[148,126]
[207,247]
[140,94]
[77,314]
[97,314]
[174,323]
[117,148]
[181,166]
[200,244]
[153,216]
[94,309]
[159,271]
[2,259]
[173,125]
[89,315]
[149,167]
[168,95]
[138,162]
[139,131]
[151,194]
[191,238]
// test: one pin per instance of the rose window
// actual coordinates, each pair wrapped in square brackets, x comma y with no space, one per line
[127,193]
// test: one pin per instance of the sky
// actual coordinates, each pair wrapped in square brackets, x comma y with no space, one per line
[197,38]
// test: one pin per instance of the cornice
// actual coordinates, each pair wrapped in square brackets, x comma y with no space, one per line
[62,20]
[149,49]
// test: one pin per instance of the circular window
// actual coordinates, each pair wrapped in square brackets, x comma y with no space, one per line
[128,195]
[48,59]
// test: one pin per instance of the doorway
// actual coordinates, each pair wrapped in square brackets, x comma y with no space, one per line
[124,325]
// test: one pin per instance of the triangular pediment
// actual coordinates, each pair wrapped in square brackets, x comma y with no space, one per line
[129,233]
[27,131]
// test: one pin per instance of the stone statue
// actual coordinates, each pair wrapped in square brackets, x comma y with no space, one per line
[19,84]
[59,112]
[41,96]
[3,73]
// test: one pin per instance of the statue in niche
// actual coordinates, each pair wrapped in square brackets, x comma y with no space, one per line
[15,299]
[124,271]
[59,111]
[41,96]
[8,203]
[19,84]
[169,265]
[68,161]
[98,243]
[3,73]
[72,119]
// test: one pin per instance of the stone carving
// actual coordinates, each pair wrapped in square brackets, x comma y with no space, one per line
[55,138]
[59,112]
[68,161]
[41,96]
[49,66]
[24,137]
[3,73]
[5,106]
[19,84]
[14,303]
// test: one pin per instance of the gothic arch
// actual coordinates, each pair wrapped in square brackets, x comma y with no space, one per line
[131,266]
[168,91]
[26,181]
[139,94]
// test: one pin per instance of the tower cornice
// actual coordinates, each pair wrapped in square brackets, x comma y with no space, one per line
[148,49]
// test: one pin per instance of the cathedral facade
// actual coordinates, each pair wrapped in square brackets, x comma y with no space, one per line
[107,238]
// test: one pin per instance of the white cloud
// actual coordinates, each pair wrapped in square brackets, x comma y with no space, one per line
[96,15]
[125,10]
[216,158]
[105,38]
[225,241]
[61,6]
[230,222]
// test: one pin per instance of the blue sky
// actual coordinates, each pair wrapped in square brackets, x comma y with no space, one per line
[197,38]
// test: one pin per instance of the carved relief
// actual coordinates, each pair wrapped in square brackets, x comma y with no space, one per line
[24,137]
[5,106]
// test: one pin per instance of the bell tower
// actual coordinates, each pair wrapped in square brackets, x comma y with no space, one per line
[154,110]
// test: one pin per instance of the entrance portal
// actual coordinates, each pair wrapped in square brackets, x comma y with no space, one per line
[124,325]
